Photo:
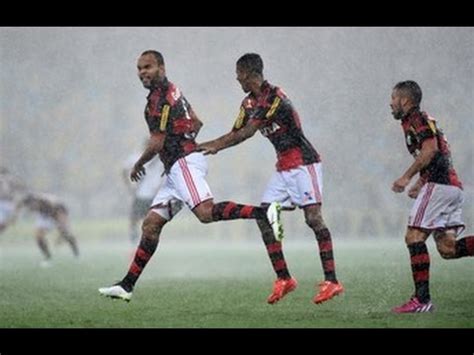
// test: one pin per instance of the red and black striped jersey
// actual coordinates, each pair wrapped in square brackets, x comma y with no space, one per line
[419,126]
[273,113]
[168,112]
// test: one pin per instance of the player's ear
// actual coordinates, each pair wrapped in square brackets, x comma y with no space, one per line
[161,70]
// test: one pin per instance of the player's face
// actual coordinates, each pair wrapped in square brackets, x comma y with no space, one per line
[396,105]
[243,78]
[149,72]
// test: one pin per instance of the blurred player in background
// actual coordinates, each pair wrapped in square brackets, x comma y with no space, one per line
[143,191]
[173,126]
[438,194]
[298,179]
[51,213]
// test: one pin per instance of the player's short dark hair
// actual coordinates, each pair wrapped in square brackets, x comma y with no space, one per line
[158,56]
[411,89]
[251,62]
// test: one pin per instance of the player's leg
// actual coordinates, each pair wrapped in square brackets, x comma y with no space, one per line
[330,287]
[425,210]
[450,248]
[420,265]
[284,283]
[151,230]
[188,176]
[62,223]
[164,208]
[44,223]
[208,211]
[305,186]
[40,237]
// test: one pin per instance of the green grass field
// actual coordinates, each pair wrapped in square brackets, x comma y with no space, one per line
[209,283]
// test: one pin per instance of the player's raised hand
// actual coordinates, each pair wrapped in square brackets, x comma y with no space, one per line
[138,172]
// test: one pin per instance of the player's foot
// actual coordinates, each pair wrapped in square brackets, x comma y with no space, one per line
[273,215]
[116,291]
[327,290]
[280,288]
[414,306]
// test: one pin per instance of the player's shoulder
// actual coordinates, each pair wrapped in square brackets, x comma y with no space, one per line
[275,90]
[173,93]
[428,117]
[417,119]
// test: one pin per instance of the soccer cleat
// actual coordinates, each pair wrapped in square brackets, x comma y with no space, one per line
[414,306]
[273,215]
[280,288]
[116,291]
[327,290]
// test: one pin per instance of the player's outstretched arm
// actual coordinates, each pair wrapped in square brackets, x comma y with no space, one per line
[228,140]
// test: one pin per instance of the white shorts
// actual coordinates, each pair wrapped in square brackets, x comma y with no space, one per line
[437,207]
[7,208]
[44,222]
[301,186]
[184,183]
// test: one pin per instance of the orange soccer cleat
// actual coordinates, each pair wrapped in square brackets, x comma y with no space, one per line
[327,290]
[280,288]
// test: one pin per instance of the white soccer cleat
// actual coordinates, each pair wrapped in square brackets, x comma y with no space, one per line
[273,215]
[116,291]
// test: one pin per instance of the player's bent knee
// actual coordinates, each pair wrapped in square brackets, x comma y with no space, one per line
[204,217]
[415,235]
[203,212]
[447,254]
[315,223]
[446,250]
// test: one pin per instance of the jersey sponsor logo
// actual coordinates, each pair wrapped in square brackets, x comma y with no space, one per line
[273,108]
[269,130]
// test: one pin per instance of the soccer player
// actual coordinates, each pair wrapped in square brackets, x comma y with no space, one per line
[143,192]
[298,176]
[438,194]
[51,213]
[173,126]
